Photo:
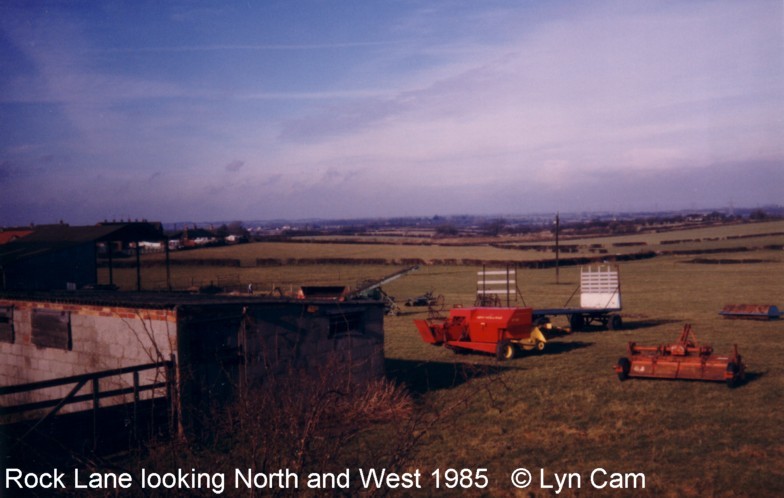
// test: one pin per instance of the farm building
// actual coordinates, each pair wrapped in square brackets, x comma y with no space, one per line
[62,256]
[69,352]
[10,235]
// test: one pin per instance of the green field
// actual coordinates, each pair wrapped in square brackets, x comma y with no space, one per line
[564,410]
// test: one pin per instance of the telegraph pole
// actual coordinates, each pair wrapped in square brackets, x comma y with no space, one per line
[557,248]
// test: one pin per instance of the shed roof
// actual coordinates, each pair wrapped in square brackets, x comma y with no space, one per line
[127,232]
[7,236]
[157,300]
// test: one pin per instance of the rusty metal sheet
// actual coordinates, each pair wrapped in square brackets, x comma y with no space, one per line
[751,311]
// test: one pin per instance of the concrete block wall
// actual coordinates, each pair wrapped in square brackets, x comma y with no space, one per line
[102,338]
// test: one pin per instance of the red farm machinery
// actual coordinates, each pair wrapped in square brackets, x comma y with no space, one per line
[502,331]
[684,359]
[490,327]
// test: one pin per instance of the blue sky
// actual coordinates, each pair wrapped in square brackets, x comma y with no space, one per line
[211,111]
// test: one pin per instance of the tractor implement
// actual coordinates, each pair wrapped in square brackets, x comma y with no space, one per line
[685,359]
[751,312]
[500,331]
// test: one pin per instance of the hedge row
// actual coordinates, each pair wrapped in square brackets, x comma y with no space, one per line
[234,263]
[549,263]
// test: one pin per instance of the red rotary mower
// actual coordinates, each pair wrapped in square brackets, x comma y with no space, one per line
[684,359]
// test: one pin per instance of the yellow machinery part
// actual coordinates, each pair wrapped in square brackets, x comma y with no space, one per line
[535,340]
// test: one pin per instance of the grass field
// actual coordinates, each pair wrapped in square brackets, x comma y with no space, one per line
[564,410]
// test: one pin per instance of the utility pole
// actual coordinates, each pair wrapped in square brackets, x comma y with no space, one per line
[557,248]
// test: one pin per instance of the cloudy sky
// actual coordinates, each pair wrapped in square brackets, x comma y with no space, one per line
[211,111]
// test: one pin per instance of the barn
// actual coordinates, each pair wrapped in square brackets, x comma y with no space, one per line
[66,257]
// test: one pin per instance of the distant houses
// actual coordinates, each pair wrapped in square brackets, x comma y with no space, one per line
[192,237]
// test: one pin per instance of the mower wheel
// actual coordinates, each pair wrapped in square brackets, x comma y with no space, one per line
[505,350]
[625,365]
[539,346]
[732,368]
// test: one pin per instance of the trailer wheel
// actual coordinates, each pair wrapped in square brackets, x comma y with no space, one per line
[615,323]
[504,351]
[624,366]
[576,322]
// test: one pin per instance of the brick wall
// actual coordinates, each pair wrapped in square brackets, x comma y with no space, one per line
[101,338]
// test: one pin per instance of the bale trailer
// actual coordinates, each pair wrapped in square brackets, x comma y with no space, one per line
[600,300]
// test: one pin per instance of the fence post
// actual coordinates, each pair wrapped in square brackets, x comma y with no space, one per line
[96,406]
[135,406]
[171,394]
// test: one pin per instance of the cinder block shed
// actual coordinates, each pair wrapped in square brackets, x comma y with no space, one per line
[78,351]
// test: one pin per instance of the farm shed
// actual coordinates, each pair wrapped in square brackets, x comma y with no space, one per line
[62,256]
[100,349]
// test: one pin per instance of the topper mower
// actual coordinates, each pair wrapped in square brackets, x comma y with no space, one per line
[685,359]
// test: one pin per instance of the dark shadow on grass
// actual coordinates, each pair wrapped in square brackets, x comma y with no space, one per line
[557,347]
[424,376]
[410,311]
[750,377]
[644,324]
[592,329]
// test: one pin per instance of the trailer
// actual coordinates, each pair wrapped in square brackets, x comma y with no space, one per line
[501,331]
[684,359]
[600,299]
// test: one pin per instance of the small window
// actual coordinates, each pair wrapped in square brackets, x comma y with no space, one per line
[52,329]
[7,324]
[345,324]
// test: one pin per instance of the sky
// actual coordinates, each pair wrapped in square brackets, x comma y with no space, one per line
[252,110]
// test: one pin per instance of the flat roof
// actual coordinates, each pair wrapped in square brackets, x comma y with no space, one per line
[161,300]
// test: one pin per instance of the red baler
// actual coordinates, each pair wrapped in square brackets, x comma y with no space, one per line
[502,331]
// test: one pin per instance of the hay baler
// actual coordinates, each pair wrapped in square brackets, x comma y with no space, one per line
[685,359]
[499,331]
